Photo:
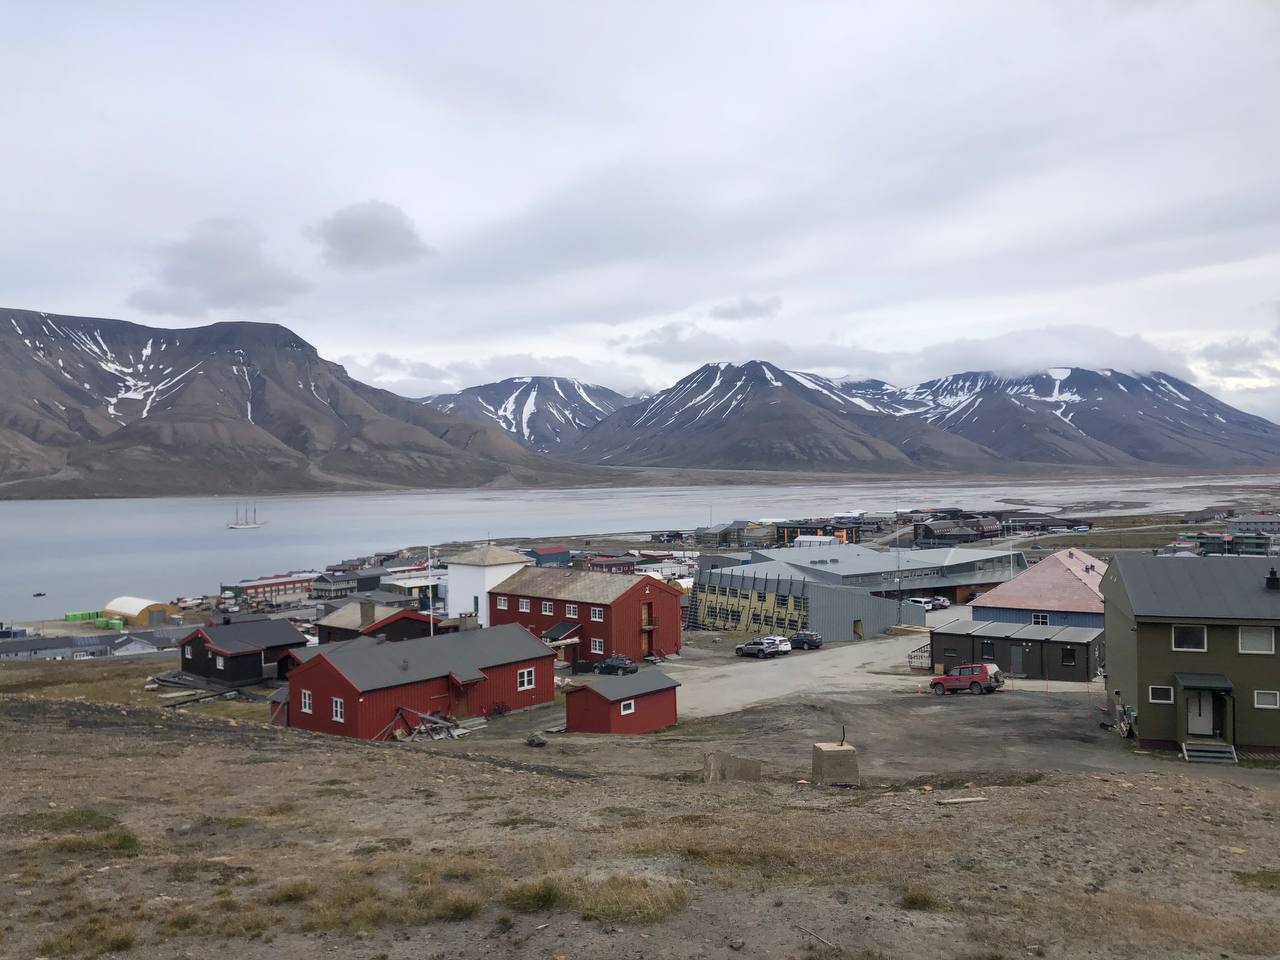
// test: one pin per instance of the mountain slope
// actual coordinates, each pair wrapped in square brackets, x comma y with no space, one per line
[759,416]
[542,413]
[1077,415]
[94,407]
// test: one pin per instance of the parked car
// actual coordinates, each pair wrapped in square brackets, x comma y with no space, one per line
[760,647]
[781,642]
[974,677]
[806,640]
[940,603]
[616,665]
[1083,528]
[921,602]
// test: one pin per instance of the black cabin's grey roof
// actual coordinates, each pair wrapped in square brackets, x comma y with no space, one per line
[1000,630]
[628,685]
[1201,588]
[252,636]
[371,664]
[1203,681]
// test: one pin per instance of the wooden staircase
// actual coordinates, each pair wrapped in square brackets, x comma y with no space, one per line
[1208,751]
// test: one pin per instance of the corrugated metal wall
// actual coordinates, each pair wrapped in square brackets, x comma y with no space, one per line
[1057,618]
[833,612]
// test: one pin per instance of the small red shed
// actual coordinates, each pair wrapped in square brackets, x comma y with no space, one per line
[632,703]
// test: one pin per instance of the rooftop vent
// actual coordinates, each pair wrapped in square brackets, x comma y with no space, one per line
[1273,580]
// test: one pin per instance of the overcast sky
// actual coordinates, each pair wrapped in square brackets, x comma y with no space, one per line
[438,194]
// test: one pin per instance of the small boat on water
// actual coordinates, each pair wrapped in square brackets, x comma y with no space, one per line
[245,523]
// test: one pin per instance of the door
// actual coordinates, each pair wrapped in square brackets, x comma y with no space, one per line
[1199,713]
[1015,659]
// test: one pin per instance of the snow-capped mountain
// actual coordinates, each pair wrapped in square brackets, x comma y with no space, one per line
[94,407]
[543,413]
[758,416]
[1079,415]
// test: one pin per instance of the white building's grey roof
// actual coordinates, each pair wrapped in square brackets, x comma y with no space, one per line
[487,555]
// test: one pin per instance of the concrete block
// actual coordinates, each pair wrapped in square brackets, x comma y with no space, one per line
[835,764]
[718,766]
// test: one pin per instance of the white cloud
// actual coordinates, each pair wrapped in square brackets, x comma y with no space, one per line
[371,235]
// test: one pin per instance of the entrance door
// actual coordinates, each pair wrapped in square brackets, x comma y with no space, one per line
[1015,659]
[1199,713]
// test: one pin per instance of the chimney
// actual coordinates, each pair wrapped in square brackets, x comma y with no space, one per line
[1273,580]
[366,612]
[380,638]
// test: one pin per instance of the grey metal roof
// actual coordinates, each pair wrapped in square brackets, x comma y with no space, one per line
[347,616]
[575,586]
[999,630]
[1203,681]
[561,630]
[371,664]
[1200,588]
[251,636]
[305,653]
[628,685]
[487,555]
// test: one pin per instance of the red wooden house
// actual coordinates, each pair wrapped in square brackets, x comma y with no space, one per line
[598,614]
[369,687]
[632,703]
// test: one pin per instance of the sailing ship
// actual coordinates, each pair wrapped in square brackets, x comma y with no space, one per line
[246,523]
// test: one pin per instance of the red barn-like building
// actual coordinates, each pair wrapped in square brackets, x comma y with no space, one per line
[606,613]
[632,703]
[369,688]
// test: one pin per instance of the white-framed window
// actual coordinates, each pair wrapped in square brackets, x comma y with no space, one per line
[219,663]
[548,608]
[186,651]
[1190,638]
[1039,619]
[628,706]
[1160,694]
[597,645]
[571,611]
[1266,699]
[502,603]
[1257,640]
[524,679]
[306,701]
[339,710]
[524,605]
[597,614]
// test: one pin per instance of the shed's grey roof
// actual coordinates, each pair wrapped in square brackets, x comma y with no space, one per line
[371,664]
[251,636]
[1202,588]
[628,685]
[305,653]
[998,630]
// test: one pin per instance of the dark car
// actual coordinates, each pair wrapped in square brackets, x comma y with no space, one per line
[806,640]
[616,664]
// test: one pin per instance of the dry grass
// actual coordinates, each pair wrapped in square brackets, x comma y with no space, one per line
[292,891]
[91,937]
[916,897]
[630,899]
[1268,881]
[61,821]
[118,842]
[536,896]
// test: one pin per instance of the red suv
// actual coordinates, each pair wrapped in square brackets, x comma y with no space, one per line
[974,677]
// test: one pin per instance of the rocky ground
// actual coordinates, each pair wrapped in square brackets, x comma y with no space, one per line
[135,832]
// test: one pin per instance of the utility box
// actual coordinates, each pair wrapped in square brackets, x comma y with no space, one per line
[835,764]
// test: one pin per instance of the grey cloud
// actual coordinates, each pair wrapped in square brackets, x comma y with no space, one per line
[220,265]
[371,235]
[747,308]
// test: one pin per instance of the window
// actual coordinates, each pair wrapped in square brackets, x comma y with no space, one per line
[571,610]
[524,605]
[988,649]
[949,652]
[1266,699]
[306,701]
[597,645]
[755,618]
[339,710]
[502,603]
[597,614]
[1257,640]
[524,679]
[760,596]
[1160,694]
[219,663]
[1068,656]
[628,706]
[548,608]
[1039,619]
[1189,638]
[186,651]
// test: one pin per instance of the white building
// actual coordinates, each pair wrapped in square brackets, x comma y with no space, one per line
[477,571]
